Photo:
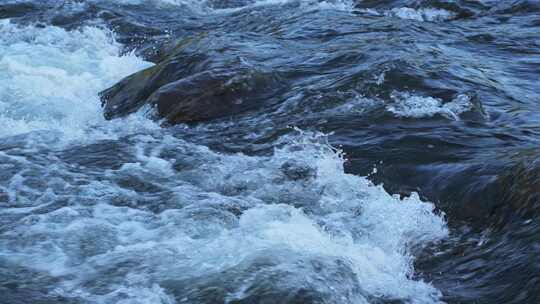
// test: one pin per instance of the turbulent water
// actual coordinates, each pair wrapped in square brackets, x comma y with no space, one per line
[397,161]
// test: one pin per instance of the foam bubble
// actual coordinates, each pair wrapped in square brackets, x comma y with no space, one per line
[416,106]
[50,78]
[422,14]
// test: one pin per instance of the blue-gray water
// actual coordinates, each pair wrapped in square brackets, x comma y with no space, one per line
[397,159]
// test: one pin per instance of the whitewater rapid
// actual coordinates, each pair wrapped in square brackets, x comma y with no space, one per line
[51,78]
[128,212]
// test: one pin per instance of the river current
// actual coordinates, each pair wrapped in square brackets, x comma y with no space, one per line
[397,161]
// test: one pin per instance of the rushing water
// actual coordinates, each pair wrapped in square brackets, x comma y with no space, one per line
[397,161]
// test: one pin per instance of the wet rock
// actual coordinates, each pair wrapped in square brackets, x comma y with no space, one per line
[297,171]
[210,95]
[203,96]
[518,193]
[494,196]
[190,85]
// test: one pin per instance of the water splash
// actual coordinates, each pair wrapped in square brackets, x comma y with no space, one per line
[49,78]
[422,14]
[179,211]
[415,106]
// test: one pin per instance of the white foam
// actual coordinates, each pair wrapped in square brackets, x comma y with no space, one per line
[416,106]
[324,215]
[422,14]
[50,78]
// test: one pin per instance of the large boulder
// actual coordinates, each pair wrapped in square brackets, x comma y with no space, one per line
[202,96]
[195,80]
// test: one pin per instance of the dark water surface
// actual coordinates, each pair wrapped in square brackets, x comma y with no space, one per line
[437,102]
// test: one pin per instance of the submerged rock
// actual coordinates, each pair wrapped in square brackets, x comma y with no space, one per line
[518,193]
[189,86]
[211,94]
[297,171]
